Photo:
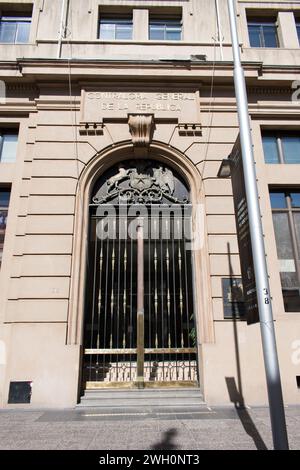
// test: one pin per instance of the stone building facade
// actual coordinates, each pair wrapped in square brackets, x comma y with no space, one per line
[92,84]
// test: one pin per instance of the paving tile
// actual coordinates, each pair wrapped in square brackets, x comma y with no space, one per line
[224,428]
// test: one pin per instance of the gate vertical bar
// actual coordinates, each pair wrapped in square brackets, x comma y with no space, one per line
[92,365]
[140,307]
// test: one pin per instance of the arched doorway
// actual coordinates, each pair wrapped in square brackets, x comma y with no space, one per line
[139,327]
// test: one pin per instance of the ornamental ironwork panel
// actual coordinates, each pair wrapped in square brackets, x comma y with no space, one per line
[112,346]
[140,181]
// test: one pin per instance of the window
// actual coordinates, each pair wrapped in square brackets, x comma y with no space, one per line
[4,201]
[282,147]
[115,28]
[263,33]
[8,146]
[165,29]
[298,29]
[286,219]
[15,28]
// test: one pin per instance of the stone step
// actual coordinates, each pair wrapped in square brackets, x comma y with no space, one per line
[124,405]
[142,398]
[139,403]
[138,394]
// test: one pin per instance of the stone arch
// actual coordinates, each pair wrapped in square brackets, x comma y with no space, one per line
[98,165]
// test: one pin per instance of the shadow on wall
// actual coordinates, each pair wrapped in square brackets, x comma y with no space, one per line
[235,390]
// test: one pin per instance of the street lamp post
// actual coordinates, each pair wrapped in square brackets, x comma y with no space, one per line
[276,405]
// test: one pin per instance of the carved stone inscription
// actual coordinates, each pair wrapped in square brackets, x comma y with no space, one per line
[100,105]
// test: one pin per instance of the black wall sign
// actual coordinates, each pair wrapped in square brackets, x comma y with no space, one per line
[243,233]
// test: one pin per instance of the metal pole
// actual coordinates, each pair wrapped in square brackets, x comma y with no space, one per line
[276,405]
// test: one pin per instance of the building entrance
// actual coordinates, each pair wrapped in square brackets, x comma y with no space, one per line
[139,314]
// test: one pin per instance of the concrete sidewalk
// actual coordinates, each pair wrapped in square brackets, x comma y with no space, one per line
[147,429]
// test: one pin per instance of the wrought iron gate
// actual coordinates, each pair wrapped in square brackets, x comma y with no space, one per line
[139,326]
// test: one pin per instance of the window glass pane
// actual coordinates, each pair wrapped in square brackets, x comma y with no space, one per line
[115,28]
[291,149]
[254,35]
[4,198]
[291,297]
[9,148]
[295,200]
[1,247]
[107,31]
[157,32]
[286,250]
[298,31]
[270,36]
[289,279]
[3,219]
[4,201]
[23,31]
[15,28]
[278,200]
[270,149]
[173,35]
[123,31]
[287,265]
[283,240]
[296,216]
[165,29]
[7,32]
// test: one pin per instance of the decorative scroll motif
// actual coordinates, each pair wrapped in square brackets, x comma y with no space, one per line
[141,128]
[142,184]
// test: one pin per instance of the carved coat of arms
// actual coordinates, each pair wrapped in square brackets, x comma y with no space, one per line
[140,181]
[143,184]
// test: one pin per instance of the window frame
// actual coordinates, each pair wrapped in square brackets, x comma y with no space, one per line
[16,18]
[297,20]
[4,208]
[278,135]
[115,21]
[164,22]
[8,131]
[263,22]
[289,210]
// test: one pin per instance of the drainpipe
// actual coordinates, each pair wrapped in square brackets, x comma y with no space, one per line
[62,28]
[220,35]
